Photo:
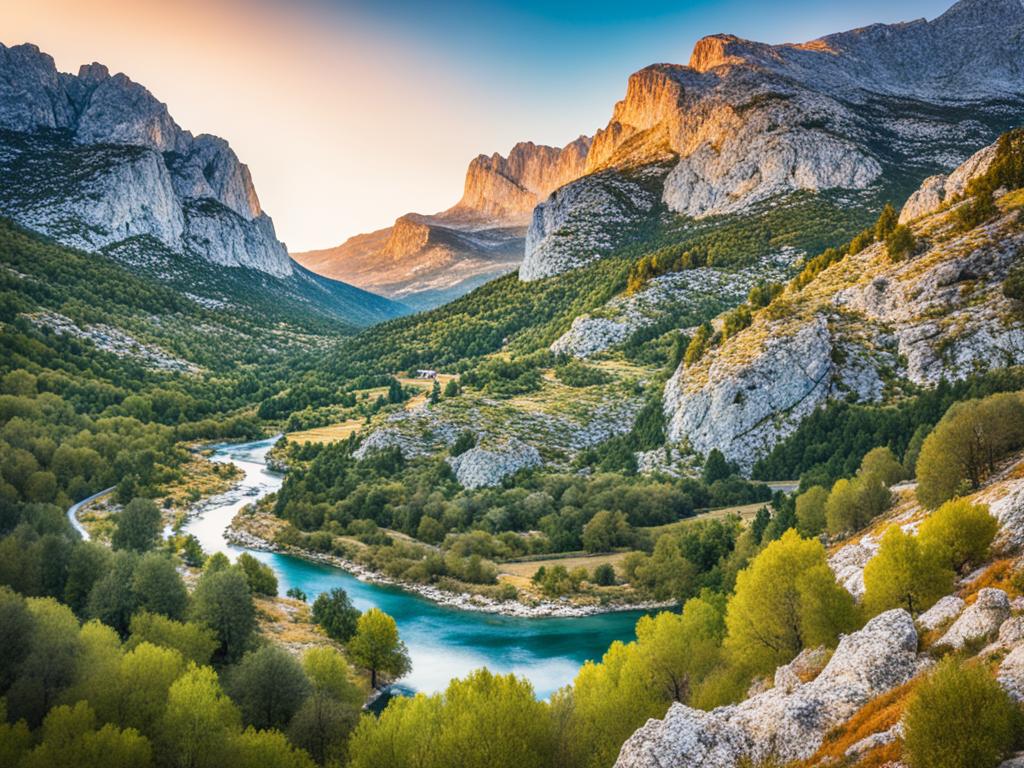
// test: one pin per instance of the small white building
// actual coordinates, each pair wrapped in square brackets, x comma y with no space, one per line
[426,374]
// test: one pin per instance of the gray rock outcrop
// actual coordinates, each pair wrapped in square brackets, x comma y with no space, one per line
[943,612]
[100,160]
[1011,673]
[979,621]
[865,323]
[782,724]
[482,467]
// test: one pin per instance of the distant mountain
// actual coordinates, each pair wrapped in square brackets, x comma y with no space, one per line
[96,162]
[428,260]
[871,111]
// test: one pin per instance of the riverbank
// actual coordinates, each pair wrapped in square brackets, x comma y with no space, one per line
[464,601]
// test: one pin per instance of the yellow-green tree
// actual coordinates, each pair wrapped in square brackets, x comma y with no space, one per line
[772,615]
[810,511]
[962,531]
[377,647]
[959,717]
[966,446]
[904,574]
[200,721]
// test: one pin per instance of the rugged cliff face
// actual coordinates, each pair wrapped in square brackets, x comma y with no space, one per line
[508,188]
[99,159]
[427,260]
[864,327]
[746,122]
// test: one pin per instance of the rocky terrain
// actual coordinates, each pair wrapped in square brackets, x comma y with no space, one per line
[788,719]
[676,293]
[546,428]
[861,329]
[870,109]
[131,170]
[428,260]
[102,166]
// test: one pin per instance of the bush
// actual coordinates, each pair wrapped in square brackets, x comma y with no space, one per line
[882,463]
[138,526]
[810,511]
[604,575]
[1013,285]
[853,504]
[787,600]
[961,531]
[900,243]
[959,717]
[577,374]
[260,576]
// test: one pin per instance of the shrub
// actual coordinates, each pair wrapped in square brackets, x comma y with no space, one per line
[604,575]
[961,531]
[1013,285]
[577,374]
[959,717]
[810,511]
[786,600]
[260,576]
[853,504]
[334,612]
[882,463]
[464,442]
[900,243]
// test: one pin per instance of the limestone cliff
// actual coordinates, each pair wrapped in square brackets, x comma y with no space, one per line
[426,260]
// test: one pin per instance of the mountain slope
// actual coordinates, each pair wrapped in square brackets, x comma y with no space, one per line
[873,110]
[874,324]
[428,260]
[97,163]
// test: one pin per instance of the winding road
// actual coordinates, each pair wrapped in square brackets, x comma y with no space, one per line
[77,506]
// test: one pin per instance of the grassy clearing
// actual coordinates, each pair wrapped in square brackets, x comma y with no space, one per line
[745,512]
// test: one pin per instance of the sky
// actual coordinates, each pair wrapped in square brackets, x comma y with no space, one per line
[350,113]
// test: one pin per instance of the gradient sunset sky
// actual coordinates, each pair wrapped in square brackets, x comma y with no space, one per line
[350,113]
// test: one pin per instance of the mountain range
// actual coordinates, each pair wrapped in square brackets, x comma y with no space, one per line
[866,113]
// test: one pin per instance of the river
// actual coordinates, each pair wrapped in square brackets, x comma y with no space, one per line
[443,642]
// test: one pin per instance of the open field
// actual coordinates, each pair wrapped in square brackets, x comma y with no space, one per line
[528,567]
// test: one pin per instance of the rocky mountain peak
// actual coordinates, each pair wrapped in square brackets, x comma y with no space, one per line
[189,193]
[508,188]
[719,50]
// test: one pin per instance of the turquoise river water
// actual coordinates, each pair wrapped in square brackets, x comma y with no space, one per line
[443,642]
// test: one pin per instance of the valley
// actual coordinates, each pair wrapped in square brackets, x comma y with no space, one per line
[695,441]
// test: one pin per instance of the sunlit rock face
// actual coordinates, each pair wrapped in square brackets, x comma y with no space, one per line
[508,188]
[788,722]
[747,122]
[108,162]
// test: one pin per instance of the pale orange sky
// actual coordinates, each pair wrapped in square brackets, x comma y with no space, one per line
[350,113]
